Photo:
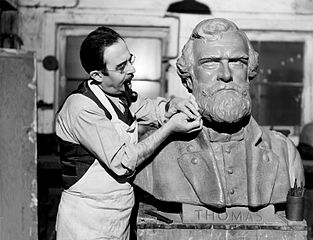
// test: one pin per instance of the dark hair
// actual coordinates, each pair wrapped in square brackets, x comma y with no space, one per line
[92,48]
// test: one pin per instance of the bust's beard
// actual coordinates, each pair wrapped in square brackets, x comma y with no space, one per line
[225,103]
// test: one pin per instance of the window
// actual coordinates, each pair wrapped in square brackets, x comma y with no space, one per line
[282,91]
[277,90]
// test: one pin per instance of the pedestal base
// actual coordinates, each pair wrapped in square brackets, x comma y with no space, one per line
[217,232]
[154,228]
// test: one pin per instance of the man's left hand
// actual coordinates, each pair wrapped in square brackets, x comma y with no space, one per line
[187,106]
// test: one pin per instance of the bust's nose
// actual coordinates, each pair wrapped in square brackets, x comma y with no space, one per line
[224,73]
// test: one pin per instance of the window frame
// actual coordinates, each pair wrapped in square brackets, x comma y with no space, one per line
[307,39]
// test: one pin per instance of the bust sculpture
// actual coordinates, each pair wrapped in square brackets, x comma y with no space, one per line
[232,161]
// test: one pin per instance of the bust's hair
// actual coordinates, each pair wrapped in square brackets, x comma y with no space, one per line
[213,29]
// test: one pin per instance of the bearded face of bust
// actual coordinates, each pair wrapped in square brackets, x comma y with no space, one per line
[220,81]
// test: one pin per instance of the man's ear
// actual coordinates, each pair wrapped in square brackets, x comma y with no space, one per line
[97,76]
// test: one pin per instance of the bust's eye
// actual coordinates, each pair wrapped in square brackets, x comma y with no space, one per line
[209,64]
[238,63]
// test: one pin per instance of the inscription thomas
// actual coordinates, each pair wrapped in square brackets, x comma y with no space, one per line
[199,214]
[232,216]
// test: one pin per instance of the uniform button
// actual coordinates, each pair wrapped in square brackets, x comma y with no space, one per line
[265,158]
[227,149]
[232,191]
[189,148]
[229,171]
[194,160]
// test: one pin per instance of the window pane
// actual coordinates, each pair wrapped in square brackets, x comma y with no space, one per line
[277,90]
[277,105]
[148,57]
[73,68]
[280,61]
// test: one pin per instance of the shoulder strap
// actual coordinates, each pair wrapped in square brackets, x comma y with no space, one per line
[84,89]
[110,106]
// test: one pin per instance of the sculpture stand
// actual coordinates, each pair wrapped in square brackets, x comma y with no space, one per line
[198,223]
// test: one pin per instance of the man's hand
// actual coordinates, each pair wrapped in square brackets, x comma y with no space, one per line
[180,122]
[187,106]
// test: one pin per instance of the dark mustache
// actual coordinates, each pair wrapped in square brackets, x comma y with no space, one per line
[130,76]
[130,95]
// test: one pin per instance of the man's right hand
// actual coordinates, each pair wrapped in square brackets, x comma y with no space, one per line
[180,122]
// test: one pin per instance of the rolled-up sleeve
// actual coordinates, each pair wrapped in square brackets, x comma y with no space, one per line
[81,121]
[150,112]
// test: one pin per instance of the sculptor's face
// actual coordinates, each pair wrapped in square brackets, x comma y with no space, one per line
[220,78]
[116,56]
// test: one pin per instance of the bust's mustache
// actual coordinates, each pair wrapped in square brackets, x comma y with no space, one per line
[211,91]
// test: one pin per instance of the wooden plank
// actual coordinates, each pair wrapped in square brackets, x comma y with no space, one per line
[150,228]
[215,234]
[18,184]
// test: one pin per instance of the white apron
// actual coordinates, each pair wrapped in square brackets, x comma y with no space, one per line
[104,213]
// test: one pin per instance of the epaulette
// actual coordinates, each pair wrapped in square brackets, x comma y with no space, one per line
[277,133]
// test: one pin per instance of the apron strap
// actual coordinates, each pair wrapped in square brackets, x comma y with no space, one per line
[110,106]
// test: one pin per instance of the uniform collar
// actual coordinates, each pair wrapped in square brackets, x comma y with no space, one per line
[225,137]
[252,132]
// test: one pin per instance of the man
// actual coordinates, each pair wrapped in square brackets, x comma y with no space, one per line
[98,136]
[232,161]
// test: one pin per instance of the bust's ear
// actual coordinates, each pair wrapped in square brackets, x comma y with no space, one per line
[97,76]
[188,84]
